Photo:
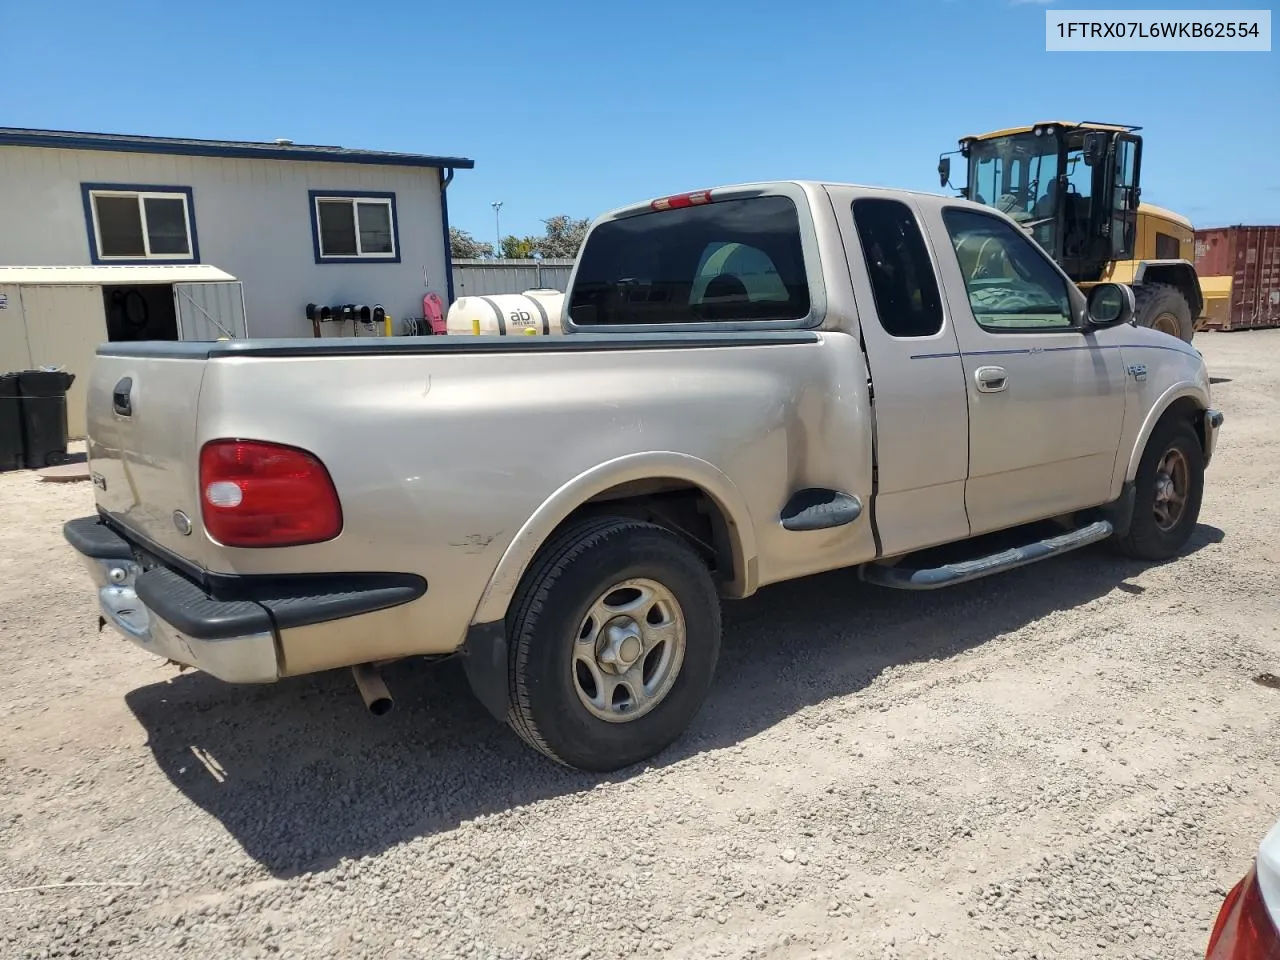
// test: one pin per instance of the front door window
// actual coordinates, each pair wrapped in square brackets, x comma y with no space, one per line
[1011,286]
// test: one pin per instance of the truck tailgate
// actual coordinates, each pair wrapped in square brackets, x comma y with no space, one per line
[141,443]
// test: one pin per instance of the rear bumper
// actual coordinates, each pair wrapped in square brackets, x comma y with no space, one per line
[228,626]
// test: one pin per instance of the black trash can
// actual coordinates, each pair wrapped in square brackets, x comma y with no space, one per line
[10,424]
[43,396]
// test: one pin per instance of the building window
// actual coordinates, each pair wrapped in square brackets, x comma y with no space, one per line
[354,227]
[129,223]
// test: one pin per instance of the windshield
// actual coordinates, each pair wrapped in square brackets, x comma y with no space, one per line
[1014,174]
[1018,175]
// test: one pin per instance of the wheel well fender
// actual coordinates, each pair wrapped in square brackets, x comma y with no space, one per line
[1177,273]
[1184,401]
[734,520]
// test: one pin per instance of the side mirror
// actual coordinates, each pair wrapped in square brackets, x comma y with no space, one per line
[1110,305]
[944,170]
[1095,149]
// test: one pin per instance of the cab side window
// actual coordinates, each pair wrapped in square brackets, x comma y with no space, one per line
[902,279]
[1012,287]
[1167,247]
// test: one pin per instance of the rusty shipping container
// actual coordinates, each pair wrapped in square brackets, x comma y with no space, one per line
[1239,269]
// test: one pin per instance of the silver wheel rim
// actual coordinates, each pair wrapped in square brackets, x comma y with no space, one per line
[1173,483]
[629,650]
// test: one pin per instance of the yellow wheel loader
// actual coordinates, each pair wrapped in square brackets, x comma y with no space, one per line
[1075,189]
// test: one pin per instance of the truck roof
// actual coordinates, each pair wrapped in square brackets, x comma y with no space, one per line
[765,186]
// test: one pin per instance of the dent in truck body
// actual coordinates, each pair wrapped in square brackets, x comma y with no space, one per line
[782,409]
[603,477]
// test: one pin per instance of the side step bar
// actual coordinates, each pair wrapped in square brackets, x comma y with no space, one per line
[950,574]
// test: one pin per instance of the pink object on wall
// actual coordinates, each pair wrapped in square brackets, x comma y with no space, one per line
[433,310]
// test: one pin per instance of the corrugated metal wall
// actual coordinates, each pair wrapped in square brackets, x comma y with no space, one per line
[208,311]
[15,348]
[1250,257]
[56,326]
[473,278]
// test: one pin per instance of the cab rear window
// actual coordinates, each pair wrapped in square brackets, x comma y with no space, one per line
[723,261]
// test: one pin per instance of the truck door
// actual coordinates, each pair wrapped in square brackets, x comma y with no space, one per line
[1046,397]
[921,423]
[1124,163]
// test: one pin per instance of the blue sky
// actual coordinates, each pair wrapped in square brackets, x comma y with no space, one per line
[577,106]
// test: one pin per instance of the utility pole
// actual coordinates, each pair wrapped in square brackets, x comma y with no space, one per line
[497,224]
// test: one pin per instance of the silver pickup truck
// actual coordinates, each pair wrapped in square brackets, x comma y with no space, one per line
[755,383]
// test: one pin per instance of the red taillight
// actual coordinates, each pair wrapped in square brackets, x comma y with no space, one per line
[697,198]
[255,494]
[1244,930]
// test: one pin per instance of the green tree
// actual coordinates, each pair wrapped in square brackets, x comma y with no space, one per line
[563,238]
[463,246]
[518,248]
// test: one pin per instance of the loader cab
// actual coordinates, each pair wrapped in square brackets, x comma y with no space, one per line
[1073,187]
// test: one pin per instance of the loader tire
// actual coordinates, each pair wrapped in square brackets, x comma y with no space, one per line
[1162,306]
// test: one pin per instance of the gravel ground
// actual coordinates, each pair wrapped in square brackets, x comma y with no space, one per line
[1071,760]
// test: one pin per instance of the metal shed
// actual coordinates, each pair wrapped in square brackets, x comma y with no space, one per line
[57,316]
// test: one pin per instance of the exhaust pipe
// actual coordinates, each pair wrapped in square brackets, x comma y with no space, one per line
[375,693]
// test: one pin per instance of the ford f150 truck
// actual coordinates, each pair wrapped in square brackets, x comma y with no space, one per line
[755,383]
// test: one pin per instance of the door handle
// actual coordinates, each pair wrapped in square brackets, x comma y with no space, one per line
[991,379]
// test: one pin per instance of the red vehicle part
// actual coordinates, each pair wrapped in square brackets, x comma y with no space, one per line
[1248,925]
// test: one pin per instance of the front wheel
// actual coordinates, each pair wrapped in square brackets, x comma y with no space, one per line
[1167,493]
[615,633]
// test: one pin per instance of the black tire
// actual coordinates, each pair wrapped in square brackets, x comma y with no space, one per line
[1162,306]
[547,613]
[1146,540]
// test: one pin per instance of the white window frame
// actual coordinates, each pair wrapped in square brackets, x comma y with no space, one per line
[355,202]
[142,196]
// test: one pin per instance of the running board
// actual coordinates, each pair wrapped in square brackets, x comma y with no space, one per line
[950,574]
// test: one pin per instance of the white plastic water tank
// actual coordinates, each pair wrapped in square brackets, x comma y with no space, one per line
[532,313]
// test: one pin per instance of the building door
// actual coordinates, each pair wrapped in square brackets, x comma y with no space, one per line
[210,311]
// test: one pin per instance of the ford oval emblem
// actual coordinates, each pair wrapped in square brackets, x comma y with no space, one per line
[182,522]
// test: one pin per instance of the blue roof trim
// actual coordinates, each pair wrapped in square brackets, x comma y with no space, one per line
[303,153]
[448,246]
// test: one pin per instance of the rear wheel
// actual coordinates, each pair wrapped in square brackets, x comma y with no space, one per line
[1162,306]
[1167,493]
[615,633]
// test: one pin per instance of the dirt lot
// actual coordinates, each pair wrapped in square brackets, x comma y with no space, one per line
[1071,760]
